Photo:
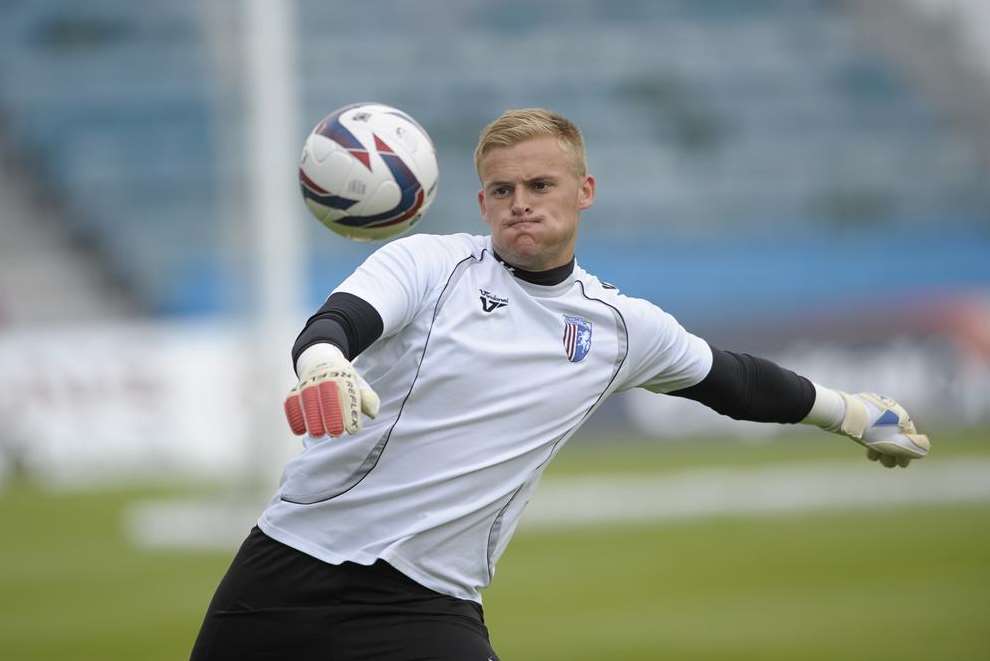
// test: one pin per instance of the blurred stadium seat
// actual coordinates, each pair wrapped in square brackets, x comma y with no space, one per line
[707,120]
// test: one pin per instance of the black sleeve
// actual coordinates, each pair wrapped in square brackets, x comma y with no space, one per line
[345,320]
[745,387]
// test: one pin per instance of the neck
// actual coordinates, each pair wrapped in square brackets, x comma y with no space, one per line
[548,277]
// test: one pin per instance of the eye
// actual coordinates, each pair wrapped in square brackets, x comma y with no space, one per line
[542,186]
[500,191]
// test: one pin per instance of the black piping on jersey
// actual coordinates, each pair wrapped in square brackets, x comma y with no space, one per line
[357,477]
[566,434]
[553,276]
[497,523]
[370,461]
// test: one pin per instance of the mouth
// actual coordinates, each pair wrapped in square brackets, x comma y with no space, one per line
[522,222]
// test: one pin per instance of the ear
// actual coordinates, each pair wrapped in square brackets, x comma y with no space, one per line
[481,206]
[586,192]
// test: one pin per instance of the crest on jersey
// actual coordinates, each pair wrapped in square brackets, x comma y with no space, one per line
[577,338]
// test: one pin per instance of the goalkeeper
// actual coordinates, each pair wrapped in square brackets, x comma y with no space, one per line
[435,385]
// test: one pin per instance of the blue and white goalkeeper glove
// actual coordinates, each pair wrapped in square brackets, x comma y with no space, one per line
[884,428]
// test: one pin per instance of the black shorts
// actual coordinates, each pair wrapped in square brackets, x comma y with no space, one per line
[278,603]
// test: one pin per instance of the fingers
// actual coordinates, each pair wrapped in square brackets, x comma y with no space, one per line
[887,439]
[311,411]
[890,461]
[330,403]
[333,416]
[294,413]
[323,411]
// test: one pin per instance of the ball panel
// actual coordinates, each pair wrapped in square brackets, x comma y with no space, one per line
[330,165]
[386,196]
[319,148]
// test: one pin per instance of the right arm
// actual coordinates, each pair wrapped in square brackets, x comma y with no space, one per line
[346,321]
[330,396]
[381,297]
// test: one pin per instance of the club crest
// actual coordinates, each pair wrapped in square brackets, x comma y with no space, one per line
[577,338]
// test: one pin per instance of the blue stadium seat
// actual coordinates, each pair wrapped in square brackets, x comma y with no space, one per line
[703,118]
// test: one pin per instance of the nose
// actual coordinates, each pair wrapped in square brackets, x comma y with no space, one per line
[520,203]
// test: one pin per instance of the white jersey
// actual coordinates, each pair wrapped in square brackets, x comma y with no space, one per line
[482,378]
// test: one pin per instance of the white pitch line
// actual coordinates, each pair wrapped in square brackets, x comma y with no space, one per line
[574,502]
[582,501]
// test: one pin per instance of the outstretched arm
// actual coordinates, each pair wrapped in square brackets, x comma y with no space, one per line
[746,387]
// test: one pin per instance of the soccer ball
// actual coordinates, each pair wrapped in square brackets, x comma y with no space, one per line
[368,171]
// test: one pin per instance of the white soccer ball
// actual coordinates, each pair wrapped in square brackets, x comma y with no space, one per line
[368,171]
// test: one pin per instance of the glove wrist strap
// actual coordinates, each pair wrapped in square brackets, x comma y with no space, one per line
[857,417]
[321,353]
[828,410]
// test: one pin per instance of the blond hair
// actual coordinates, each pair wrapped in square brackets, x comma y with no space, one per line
[521,124]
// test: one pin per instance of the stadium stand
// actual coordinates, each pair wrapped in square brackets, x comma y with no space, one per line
[45,276]
[704,119]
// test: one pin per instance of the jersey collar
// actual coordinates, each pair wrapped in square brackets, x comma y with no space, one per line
[553,276]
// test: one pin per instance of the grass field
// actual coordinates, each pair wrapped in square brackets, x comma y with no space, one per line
[902,584]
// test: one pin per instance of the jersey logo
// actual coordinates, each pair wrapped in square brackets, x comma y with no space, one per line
[491,302]
[577,338]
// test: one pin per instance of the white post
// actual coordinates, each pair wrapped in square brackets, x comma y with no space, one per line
[273,141]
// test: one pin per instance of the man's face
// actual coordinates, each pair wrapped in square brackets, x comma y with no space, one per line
[532,198]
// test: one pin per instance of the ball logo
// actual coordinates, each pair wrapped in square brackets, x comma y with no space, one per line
[577,338]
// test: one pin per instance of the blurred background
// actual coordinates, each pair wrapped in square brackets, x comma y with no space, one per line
[807,180]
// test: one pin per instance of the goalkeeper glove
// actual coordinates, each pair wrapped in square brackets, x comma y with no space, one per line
[330,395]
[884,428]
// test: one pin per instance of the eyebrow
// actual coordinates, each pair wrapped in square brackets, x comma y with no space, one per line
[542,177]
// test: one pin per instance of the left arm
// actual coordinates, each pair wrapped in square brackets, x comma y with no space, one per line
[746,387]
[666,358]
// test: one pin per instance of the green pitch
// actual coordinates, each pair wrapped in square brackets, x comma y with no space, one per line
[839,585]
